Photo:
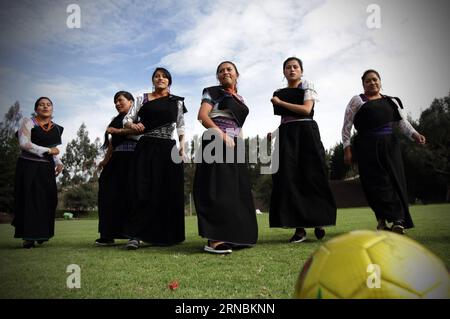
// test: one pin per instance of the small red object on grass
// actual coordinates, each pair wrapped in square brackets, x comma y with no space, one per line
[174,285]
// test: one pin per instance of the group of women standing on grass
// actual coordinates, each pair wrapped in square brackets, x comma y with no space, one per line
[141,194]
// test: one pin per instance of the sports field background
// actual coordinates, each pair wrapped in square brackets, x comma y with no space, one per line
[268,270]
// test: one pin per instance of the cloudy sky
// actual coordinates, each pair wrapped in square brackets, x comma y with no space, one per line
[120,42]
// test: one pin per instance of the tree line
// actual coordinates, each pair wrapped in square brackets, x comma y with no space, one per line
[427,167]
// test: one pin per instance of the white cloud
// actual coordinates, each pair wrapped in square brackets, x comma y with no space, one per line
[335,43]
[192,37]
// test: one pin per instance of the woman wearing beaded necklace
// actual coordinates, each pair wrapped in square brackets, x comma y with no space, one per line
[35,184]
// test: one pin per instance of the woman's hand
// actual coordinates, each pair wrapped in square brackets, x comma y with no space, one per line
[229,141]
[102,164]
[53,151]
[58,169]
[113,130]
[182,154]
[419,138]
[348,155]
[139,127]
[275,100]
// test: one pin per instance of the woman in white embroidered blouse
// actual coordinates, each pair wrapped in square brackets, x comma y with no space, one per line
[378,154]
[35,184]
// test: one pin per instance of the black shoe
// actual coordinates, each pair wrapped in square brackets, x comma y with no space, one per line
[104,242]
[28,244]
[319,232]
[219,249]
[298,238]
[40,242]
[398,228]
[132,244]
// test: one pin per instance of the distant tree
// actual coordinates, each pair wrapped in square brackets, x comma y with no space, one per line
[9,150]
[82,197]
[80,159]
[263,190]
[189,169]
[434,123]
[427,167]
[338,169]
[11,122]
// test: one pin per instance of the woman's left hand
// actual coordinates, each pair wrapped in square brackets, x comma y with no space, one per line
[182,154]
[419,138]
[113,130]
[58,169]
[275,100]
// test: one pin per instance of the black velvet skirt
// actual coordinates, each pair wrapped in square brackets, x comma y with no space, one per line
[382,177]
[224,201]
[301,193]
[114,196]
[35,200]
[157,193]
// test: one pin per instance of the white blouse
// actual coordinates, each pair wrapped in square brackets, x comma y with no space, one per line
[25,143]
[353,107]
[310,91]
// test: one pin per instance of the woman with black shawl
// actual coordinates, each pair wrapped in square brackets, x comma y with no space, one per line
[157,177]
[113,189]
[301,194]
[222,193]
[378,153]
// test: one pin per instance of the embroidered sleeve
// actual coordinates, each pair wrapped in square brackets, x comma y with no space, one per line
[310,92]
[180,118]
[132,114]
[25,143]
[353,106]
[405,127]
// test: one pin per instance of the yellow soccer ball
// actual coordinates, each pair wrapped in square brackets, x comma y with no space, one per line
[369,264]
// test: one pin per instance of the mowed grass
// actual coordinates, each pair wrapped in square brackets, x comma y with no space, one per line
[268,270]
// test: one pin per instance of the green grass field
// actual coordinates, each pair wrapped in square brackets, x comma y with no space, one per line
[268,270]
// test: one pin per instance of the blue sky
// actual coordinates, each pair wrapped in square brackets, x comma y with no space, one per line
[121,42]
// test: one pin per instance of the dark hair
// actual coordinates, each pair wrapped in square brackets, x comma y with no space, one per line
[295,59]
[370,71]
[166,73]
[125,94]
[36,104]
[234,65]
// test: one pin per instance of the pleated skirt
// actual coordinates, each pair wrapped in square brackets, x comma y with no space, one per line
[114,196]
[301,193]
[157,193]
[35,200]
[382,177]
[224,201]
